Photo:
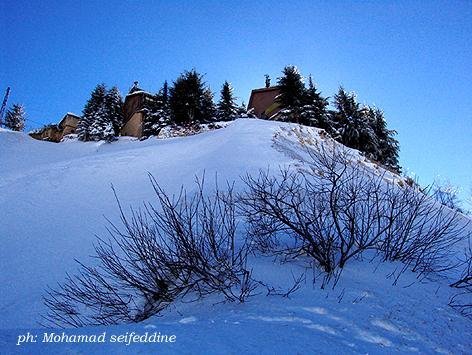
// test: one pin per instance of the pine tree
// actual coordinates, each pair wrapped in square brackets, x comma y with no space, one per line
[189,99]
[156,112]
[227,109]
[388,148]
[243,112]
[15,118]
[114,109]
[100,123]
[108,132]
[94,107]
[314,111]
[292,93]
[164,92]
[207,107]
[102,115]
[352,124]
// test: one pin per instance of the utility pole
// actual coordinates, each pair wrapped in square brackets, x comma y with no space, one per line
[4,105]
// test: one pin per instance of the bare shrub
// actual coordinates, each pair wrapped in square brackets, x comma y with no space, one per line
[331,212]
[183,247]
[421,233]
[334,208]
[446,194]
[462,301]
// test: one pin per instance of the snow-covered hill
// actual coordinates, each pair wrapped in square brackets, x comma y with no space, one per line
[53,198]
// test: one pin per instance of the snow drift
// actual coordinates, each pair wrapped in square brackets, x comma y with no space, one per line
[53,198]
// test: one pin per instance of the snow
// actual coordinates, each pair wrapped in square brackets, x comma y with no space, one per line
[53,199]
[138,92]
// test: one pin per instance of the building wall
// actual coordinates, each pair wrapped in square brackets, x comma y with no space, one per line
[133,103]
[69,130]
[49,134]
[134,126]
[69,124]
[262,100]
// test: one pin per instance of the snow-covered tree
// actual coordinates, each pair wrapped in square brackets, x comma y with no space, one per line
[386,150]
[102,126]
[190,100]
[102,115]
[292,93]
[114,109]
[227,109]
[156,112]
[352,123]
[314,111]
[108,133]
[91,108]
[208,107]
[15,118]
[364,128]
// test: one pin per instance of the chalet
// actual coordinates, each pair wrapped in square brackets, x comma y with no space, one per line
[134,113]
[69,123]
[55,133]
[50,133]
[263,104]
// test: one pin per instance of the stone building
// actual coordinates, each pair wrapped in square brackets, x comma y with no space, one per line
[55,133]
[134,113]
[68,124]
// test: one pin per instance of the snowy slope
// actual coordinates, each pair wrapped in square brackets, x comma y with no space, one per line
[53,198]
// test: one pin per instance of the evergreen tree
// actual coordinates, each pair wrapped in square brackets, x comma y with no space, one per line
[102,115]
[353,127]
[15,118]
[93,109]
[207,107]
[164,92]
[388,148]
[364,129]
[157,112]
[108,132]
[243,112]
[189,100]
[101,122]
[114,109]
[227,109]
[314,111]
[292,93]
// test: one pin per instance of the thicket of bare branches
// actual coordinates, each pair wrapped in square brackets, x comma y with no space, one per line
[421,233]
[335,209]
[184,247]
[462,301]
[330,210]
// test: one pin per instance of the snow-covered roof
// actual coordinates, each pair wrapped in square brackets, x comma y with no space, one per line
[66,115]
[71,114]
[139,92]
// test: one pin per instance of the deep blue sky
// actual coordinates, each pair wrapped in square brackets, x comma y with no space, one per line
[412,58]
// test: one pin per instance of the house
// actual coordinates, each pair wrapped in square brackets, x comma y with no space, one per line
[134,113]
[69,123]
[50,133]
[55,133]
[262,102]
